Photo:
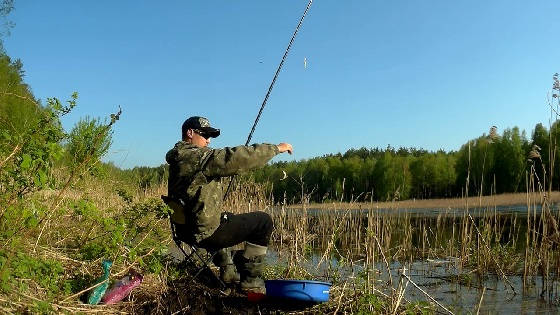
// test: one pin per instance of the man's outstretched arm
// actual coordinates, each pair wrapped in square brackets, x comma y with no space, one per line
[235,160]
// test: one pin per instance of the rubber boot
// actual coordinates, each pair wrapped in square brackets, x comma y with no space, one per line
[228,272]
[251,266]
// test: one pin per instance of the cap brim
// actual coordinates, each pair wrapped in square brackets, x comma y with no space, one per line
[211,132]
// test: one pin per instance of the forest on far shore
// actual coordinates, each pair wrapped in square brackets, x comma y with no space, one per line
[490,164]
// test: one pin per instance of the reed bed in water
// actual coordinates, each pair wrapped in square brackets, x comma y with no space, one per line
[476,236]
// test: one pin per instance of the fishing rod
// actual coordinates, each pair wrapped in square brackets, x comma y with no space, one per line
[271,86]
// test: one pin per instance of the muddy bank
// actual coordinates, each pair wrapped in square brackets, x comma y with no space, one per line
[484,201]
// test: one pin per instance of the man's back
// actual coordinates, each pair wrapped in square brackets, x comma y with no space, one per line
[194,177]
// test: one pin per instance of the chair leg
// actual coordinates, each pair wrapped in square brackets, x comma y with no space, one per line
[205,265]
[204,262]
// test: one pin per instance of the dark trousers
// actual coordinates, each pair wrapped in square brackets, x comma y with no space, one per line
[254,227]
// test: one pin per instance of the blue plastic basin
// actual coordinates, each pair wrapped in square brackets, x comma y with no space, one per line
[302,290]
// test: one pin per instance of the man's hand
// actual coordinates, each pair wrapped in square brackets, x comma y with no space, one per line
[285,147]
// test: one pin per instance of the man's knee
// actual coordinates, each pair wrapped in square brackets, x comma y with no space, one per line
[266,220]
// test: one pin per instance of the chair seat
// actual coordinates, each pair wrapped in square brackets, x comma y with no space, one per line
[189,240]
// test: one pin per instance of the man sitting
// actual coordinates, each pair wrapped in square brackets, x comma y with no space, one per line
[195,171]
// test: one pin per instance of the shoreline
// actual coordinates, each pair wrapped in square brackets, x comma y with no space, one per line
[508,199]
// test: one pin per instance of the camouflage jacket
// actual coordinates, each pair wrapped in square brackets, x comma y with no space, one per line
[194,177]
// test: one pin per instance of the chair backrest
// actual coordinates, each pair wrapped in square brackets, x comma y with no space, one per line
[178,213]
[178,207]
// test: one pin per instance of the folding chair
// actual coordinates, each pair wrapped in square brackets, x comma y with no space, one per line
[178,205]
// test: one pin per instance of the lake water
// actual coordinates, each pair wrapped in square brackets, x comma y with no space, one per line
[438,277]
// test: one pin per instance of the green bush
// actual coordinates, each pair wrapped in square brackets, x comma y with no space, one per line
[130,235]
[47,273]
[88,141]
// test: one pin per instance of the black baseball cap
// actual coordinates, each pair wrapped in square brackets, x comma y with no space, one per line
[202,125]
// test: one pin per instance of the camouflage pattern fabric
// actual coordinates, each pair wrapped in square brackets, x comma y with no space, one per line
[194,177]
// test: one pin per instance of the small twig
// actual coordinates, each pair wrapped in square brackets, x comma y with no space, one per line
[385,260]
[400,294]
[340,298]
[134,263]
[84,290]
[425,293]
[184,309]
[60,256]
[22,97]
[11,302]
[7,311]
[16,149]
[480,303]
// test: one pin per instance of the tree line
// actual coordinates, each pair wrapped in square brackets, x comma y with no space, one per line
[489,164]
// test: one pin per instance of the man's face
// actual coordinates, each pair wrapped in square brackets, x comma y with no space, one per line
[199,139]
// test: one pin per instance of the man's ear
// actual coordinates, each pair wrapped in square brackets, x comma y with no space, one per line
[190,133]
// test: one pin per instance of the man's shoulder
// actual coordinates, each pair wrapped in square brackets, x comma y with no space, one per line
[183,150]
[182,145]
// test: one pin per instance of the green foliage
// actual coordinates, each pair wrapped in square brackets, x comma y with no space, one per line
[281,270]
[494,164]
[85,208]
[88,141]
[89,136]
[433,175]
[26,215]
[132,235]
[150,207]
[108,243]
[371,304]
[144,236]
[141,177]
[363,175]
[125,195]
[42,307]
[146,177]
[276,271]
[32,145]
[508,257]
[510,161]
[30,135]
[47,273]
[77,283]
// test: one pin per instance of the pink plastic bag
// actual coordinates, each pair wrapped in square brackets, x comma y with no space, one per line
[122,288]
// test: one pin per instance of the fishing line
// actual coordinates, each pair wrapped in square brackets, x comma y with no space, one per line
[271,86]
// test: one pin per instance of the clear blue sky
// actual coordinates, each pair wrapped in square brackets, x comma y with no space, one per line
[429,74]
